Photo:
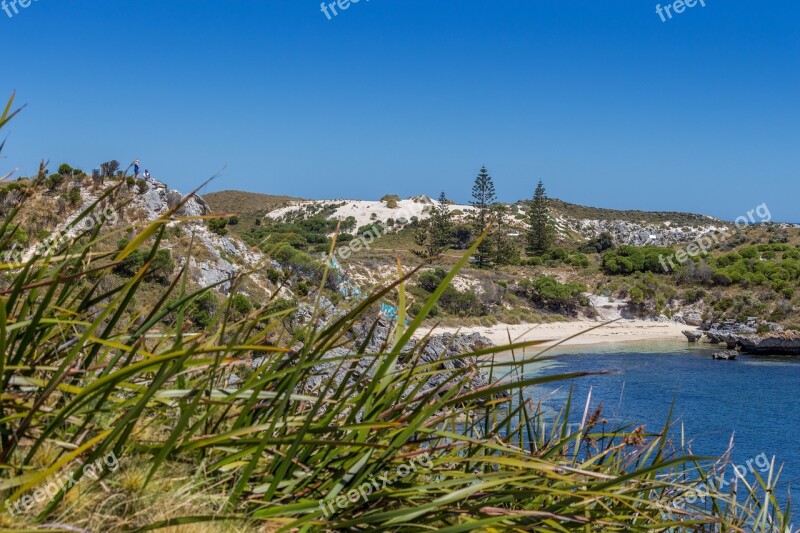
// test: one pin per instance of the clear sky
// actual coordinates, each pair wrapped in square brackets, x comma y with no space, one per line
[606,103]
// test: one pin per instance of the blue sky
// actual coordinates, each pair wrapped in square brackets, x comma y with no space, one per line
[606,103]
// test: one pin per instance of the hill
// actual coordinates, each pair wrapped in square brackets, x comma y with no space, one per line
[643,217]
[625,256]
[240,202]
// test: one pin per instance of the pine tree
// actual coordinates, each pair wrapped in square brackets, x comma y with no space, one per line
[505,249]
[540,234]
[442,225]
[436,234]
[484,196]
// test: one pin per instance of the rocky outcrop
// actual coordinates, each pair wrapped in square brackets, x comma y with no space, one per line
[446,348]
[779,343]
[744,337]
[690,318]
[212,272]
[724,332]
[725,356]
[693,336]
[643,234]
[442,350]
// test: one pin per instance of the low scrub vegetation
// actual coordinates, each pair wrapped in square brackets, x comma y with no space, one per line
[548,293]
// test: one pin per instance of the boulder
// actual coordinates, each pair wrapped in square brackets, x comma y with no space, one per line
[693,336]
[693,318]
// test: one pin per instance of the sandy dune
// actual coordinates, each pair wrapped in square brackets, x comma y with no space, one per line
[366,211]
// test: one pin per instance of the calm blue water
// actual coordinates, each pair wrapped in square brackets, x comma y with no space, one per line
[754,399]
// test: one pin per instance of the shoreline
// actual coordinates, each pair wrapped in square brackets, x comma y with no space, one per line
[617,332]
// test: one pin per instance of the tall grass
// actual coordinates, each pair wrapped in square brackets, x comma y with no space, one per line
[312,418]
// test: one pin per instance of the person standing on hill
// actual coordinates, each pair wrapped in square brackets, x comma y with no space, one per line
[136,169]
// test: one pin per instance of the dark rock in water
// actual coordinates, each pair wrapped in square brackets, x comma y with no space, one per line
[737,335]
[725,356]
[693,336]
[778,343]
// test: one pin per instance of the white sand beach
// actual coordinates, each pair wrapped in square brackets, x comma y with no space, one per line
[620,331]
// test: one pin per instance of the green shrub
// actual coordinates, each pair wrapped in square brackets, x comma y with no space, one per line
[218,226]
[630,259]
[691,296]
[201,311]
[348,224]
[279,306]
[54,181]
[74,196]
[460,303]
[749,252]
[603,242]
[302,288]
[131,264]
[431,279]
[161,267]
[64,169]
[636,295]
[375,229]
[578,260]
[549,293]
[558,254]
[241,304]
[273,275]
[416,308]
[293,259]
[723,279]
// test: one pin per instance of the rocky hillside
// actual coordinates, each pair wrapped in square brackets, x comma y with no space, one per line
[573,222]
[50,212]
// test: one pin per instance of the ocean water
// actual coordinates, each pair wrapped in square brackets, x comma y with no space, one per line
[754,400]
